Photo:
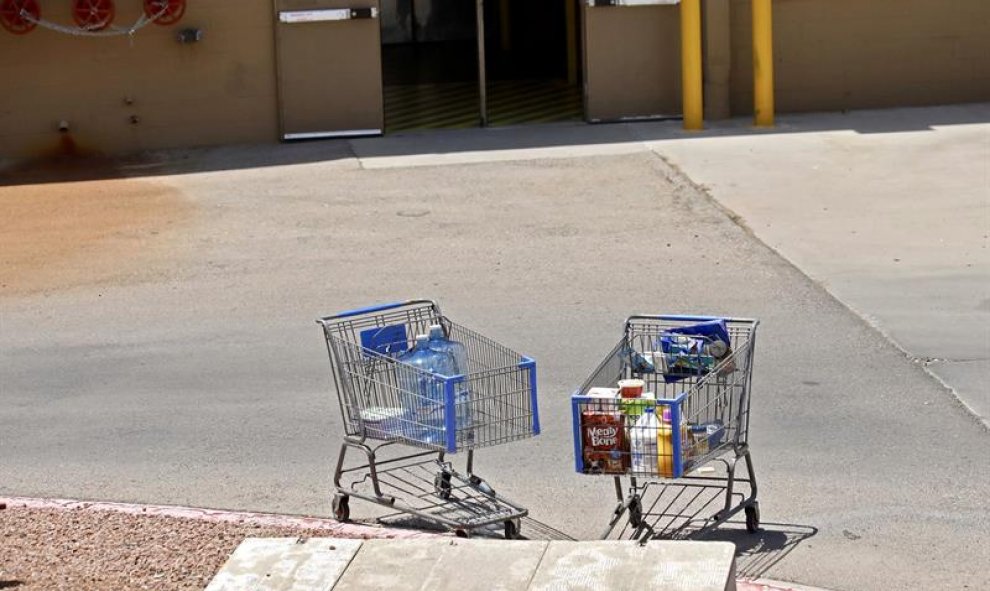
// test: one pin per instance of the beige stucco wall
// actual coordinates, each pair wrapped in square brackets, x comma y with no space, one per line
[632,61]
[853,54]
[829,55]
[220,90]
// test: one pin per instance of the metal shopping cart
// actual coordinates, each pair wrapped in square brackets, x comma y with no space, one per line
[382,400]
[681,461]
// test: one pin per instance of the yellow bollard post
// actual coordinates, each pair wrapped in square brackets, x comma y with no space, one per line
[763,63]
[691,81]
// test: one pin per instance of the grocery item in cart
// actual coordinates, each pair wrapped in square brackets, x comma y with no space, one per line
[685,356]
[605,398]
[706,437]
[640,363]
[693,350]
[634,407]
[606,450]
[459,357]
[665,450]
[643,443]
[632,388]
[383,422]
[424,392]
[665,441]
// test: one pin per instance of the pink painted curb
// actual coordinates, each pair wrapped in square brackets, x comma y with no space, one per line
[335,528]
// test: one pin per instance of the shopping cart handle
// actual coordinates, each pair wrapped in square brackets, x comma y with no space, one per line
[685,318]
[376,308]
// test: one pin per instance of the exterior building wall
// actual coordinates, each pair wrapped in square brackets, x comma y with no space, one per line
[833,55]
[122,94]
[632,61]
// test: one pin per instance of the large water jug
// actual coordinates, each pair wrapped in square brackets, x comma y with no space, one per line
[643,439]
[423,393]
[458,353]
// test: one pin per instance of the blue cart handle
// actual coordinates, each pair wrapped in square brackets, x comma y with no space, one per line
[379,308]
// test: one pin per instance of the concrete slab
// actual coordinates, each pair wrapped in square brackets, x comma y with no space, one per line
[888,210]
[969,379]
[285,564]
[659,566]
[442,565]
[289,564]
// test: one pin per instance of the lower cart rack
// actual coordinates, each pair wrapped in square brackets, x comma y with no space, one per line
[687,508]
[425,486]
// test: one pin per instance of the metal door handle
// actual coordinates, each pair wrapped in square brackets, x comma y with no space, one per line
[364,13]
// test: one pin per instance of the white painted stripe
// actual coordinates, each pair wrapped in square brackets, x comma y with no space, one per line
[318,16]
[633,2]
[309,135]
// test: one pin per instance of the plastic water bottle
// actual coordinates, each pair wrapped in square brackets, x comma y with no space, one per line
[458,353]
[643,442]
[423,395]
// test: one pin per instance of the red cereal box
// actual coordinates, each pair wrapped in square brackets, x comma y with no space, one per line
[606,450]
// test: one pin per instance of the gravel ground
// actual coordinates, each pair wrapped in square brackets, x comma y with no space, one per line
[85,549]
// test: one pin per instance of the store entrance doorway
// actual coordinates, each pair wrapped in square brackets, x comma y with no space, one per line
[465,63]
[430,66]
[531,61]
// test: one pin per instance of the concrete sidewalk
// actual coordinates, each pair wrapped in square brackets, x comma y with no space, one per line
[893,220]
[288,564]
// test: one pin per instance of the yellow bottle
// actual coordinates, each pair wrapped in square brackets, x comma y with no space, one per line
[665,444]
[665,451]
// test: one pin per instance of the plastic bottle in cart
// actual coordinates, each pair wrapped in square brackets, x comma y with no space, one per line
[643,442]
[458,353]
[423,395]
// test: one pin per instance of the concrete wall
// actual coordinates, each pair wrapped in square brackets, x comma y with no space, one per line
[854,54]
[220,90]
[829,55]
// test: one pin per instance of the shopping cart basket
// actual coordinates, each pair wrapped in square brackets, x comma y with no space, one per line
[381,399]
[695,374]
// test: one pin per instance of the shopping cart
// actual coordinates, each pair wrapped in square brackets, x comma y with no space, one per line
[382,398]
[681,461]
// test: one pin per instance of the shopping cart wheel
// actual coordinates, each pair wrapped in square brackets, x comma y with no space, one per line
[512,530]
[441,484]
[341,507]
[753,518]
[635,512]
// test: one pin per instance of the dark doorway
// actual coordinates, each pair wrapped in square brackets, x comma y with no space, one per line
[531,61]
[430,64]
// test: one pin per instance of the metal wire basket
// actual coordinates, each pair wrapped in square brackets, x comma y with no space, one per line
[492,403]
